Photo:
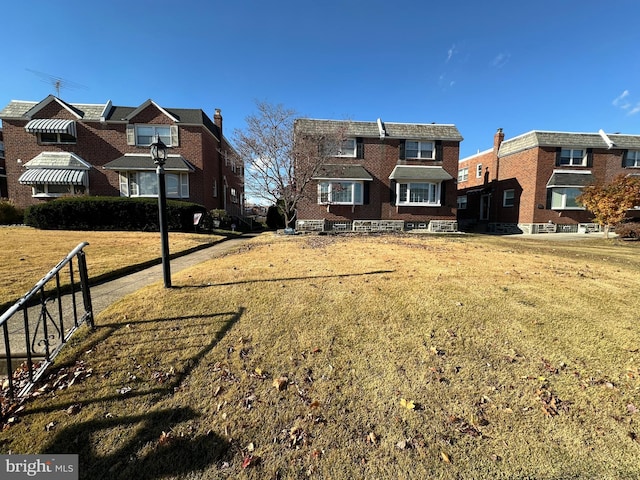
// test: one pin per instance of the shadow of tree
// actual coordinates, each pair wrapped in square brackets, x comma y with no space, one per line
[284,279]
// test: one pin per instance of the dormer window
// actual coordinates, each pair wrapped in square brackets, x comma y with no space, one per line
[147,134]
[419,150]
[52,130]
[45,138]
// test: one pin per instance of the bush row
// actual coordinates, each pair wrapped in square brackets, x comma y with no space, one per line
[9,213]
[110,213]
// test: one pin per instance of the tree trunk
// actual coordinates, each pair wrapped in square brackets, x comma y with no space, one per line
[607,227]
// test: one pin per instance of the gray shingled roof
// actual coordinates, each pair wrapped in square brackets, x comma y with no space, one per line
[17,109]
[344,172]
[144,162]
[538,138]
[570,179]
[431,131]
[416,172]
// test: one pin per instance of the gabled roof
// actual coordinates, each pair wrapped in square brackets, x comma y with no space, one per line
[417,131]
[538,138]
[146,104]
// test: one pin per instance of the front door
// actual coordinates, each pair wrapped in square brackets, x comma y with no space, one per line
[485,201]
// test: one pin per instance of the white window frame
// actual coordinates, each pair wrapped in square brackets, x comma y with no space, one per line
[215,188]
[348,148]
[574,159]
[509,198]
[463,174]
[45,193]
[422,147]
[234,195]
[328,190]
[561,194]
[177,184]
[404,190]
[479,170]
[632,159]
[462,202]
[165,137]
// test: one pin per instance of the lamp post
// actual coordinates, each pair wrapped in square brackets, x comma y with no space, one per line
[159,156]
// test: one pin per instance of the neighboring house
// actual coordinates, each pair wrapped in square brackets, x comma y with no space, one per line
[56,149]
[529,183]
[3,171]
[383,176]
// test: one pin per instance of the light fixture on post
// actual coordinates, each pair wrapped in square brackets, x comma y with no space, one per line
[159,157]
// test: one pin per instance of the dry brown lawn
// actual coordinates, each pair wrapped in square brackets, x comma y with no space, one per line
[386,357]
[27,254]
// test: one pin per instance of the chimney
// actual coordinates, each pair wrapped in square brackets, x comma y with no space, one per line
[217,119]
[497,140]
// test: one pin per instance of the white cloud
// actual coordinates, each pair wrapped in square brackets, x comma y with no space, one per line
[634,110]
[450,52]
[500,60]
[620,101]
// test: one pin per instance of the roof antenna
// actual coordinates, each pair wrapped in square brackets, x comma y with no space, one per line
[57,82]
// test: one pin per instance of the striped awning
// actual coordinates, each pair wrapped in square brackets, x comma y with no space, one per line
[53,176]
[51,125]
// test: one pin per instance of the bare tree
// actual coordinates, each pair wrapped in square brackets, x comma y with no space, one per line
[279,165]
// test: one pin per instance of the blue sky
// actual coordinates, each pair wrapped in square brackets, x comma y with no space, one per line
[569,65]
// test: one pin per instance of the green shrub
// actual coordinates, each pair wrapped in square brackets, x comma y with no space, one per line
[110,213]
[9,213]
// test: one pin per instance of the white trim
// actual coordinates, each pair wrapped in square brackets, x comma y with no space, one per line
[145,105]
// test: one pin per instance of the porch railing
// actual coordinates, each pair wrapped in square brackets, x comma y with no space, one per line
[38,325]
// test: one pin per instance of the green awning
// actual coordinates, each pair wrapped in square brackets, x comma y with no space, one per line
[53,176]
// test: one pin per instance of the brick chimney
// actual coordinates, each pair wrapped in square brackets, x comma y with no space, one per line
[217,119]
[497,140]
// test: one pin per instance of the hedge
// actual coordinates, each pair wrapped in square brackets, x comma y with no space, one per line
[110,213]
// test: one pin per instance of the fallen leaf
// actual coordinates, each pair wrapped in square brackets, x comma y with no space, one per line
[251,447]
[74,409]
[250,461]
[258,371]
[445,458]
[280,383]
[402,444]
[631,408]
[314,404]
[372,438]
[408,404]
[50,426]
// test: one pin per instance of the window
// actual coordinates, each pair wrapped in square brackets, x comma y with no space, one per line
[569,156]
[55,138]
[462,202]
[1,149]
[508,198]
[234,195]
[145,184]
[565,198]
[418,194]
[341,193]
[47,190]
[463,174]
[479,170]
[632,159]
[421,150]
[147,134]
[348,148]
[215,188]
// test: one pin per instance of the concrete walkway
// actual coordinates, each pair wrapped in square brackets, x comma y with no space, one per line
[109,292]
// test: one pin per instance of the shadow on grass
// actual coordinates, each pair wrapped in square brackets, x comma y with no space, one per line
[284,279]
[175,456]
[168,387]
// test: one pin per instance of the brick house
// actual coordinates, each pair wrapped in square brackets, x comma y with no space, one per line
[55,149]
[382,176]
[3,171]
[529,183]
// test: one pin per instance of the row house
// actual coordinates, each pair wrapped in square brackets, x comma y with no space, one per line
[3,171]
[529,183]
[54,148]
[381,176]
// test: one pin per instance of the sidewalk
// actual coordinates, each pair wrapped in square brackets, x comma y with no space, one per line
[109,292]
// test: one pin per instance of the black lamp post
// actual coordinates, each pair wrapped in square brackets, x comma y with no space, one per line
[159,156]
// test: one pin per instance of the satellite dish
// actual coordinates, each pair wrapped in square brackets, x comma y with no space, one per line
[57,82]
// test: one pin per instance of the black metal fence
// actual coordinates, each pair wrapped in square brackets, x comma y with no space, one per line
[38,325]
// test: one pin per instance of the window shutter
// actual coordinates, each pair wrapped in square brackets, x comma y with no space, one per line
[392,192]
[401,148]
[131,134]
[589,157]
[365,193]
[124,184]
[439,152]
[442,194]
[558,153]
[359,148]
[549,194]
[624,158]
[174,136]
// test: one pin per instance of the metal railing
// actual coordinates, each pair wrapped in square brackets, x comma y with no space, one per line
[42,330]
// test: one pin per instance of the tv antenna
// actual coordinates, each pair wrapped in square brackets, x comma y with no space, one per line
[57,82]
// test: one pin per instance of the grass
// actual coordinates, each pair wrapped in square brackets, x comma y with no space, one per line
[298,357]
[27,254]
